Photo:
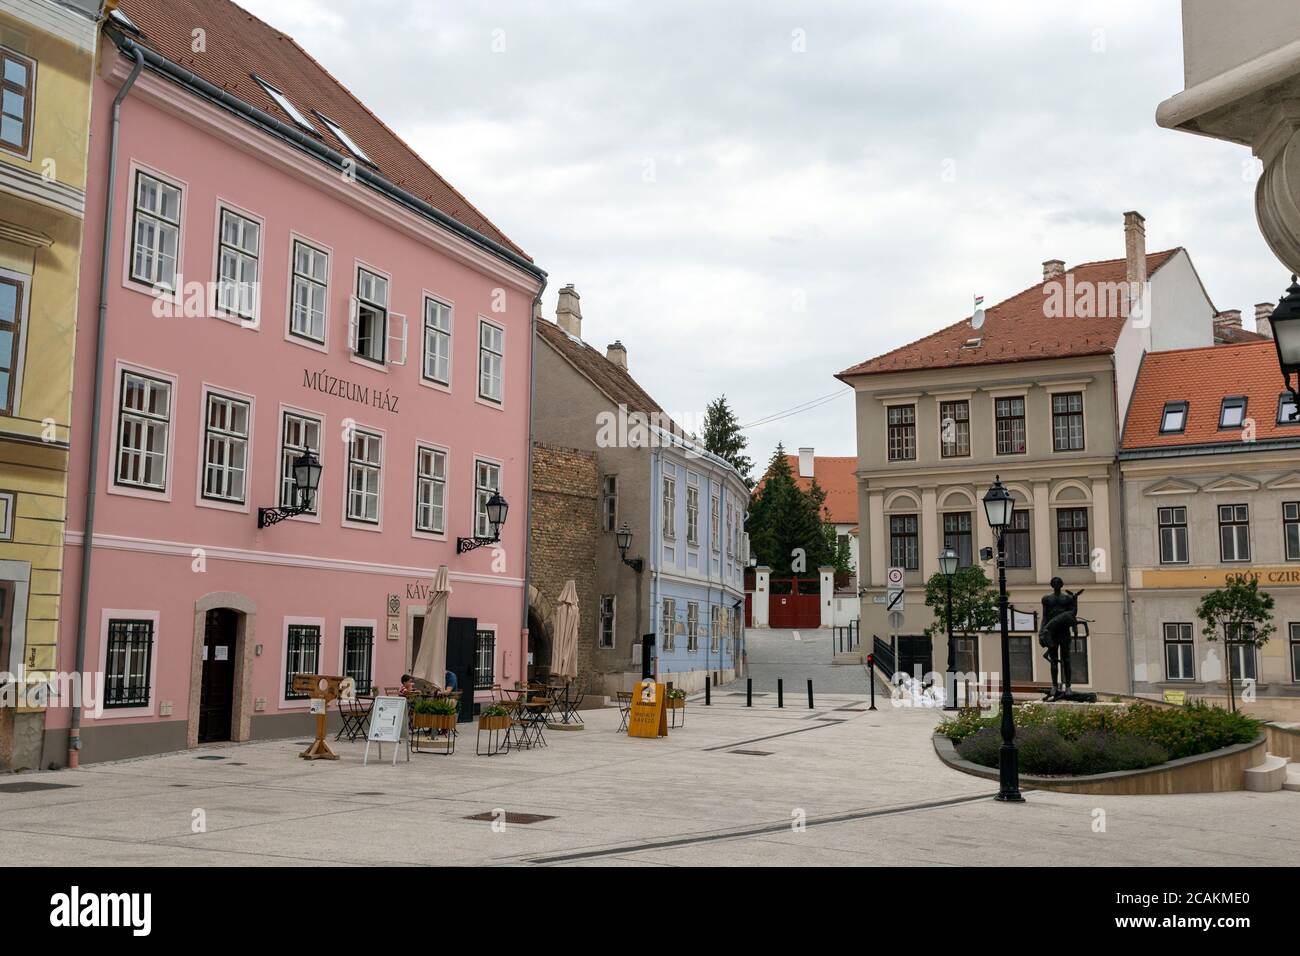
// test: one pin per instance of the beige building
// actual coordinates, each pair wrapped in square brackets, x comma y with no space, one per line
[1035,395]
[1211,467]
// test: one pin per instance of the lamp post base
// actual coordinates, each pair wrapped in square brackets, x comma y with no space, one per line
[1009,774]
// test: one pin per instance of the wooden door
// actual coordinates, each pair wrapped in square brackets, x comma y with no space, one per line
[217,685]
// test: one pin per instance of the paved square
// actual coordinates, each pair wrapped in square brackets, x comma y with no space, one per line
[727,789]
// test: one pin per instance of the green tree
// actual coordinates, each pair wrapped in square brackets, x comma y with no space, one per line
[1239,613]
[974,602]
[785,523]
[841,553]
[723,438]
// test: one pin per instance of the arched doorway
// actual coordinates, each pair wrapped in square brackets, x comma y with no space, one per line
[220,699]
[539,647]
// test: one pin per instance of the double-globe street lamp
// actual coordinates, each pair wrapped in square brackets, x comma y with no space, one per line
[948,565]
[997,509]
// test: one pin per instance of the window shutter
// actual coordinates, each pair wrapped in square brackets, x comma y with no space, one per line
[395,339]
[354,314]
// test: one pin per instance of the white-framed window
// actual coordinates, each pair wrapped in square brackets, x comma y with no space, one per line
[17,102]
[430,489]
[487,482]
[239,250]
[668,624]
[485,658]
[302,647]
[156,231]
[1173,534]
[226,423]
[1180,652]
[1242,652]
[491,361]
[609,503]
[715,627]
[731,530]
[1291,530]
[436,366]
[692,626]
[365,475]
[144,415]
[692,515]
[608,615]
[128,662]
[358,653]
[670,507]
[370,316]
[299,433]
[1234,532]
[309,292]
[715,524]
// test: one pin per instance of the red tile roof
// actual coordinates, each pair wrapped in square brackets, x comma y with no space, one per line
[835,476]
[1016,330]
[1203,377]
[237,44]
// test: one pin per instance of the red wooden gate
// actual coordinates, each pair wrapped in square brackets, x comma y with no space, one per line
[795,603]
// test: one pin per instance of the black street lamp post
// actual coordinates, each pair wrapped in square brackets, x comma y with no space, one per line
[624,536]
[997,509]
[1285,323]
[948,565]
[497,507]
[306,479]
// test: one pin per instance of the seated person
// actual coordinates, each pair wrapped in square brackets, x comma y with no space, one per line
[450,682]
[408,685]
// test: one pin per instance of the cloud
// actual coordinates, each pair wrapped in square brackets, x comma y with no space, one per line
[750,219]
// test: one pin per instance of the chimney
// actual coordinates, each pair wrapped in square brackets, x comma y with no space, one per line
[617,354]
[1227,319]
[1263,319]
[1053,269]
[1135,247]
[568,311]
[805,462]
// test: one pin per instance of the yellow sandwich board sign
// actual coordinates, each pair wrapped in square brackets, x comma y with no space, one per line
[649,717]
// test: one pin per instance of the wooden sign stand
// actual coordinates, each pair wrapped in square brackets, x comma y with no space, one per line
[325,689]
[649,717]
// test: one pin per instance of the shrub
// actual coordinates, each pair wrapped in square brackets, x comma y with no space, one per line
[1101,739]
[981,747]
[435,705]
[494,710]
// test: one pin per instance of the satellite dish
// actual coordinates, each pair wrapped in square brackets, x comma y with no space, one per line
[977,319]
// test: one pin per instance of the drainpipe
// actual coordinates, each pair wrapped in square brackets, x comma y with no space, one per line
[528,505]
[92,467]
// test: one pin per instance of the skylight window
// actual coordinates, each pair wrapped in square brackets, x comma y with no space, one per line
[1174,417]
[124,20]
[344,138]
[283,102]
[1232,413]
[1287,413]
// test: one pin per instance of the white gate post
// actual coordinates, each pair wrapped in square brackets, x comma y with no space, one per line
[827,573]
[762,585]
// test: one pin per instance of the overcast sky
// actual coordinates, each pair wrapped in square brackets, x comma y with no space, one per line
[755,195]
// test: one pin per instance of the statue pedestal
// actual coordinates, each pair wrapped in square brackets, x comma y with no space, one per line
[1081,704]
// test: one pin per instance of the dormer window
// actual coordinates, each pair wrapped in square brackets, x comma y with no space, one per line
[1232,413]
[344,138]
[285,104]
[1287,413]
[1174,418]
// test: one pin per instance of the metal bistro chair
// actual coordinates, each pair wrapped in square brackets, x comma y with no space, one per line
[568,698]
[356,718]
[624,698]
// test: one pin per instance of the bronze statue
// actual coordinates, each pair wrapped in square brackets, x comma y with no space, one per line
[1061,623]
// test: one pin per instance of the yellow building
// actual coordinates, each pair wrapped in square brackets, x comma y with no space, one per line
[47,55]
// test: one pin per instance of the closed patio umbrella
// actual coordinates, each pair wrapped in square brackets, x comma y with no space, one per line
[431,664]
[564,659]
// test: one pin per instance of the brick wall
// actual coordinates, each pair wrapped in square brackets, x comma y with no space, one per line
[563,536]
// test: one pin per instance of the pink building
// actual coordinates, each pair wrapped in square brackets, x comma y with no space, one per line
[329,292]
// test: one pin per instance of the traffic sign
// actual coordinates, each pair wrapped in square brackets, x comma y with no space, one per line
[894,577]
[894,600]
[895,620]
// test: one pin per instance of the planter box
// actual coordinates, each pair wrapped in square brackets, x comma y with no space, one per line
[494,723]
[676,703]
[433,721]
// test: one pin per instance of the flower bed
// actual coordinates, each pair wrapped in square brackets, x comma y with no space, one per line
[1058,741]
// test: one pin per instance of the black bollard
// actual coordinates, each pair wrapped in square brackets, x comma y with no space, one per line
[780,692]
[871,679]
[810,697]
[749,692]
[707,698]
